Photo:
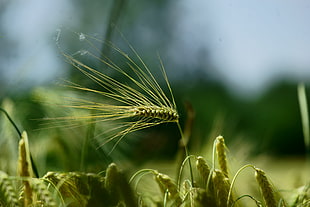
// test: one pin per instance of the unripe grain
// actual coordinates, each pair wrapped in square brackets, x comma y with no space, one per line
[203,168]
[221,154]
[221,188]
[7,191]
[265,187]
[167,184]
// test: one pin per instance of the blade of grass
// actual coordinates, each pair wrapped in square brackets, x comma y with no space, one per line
[20,135]
[116,11]
[302,98]
[12,122]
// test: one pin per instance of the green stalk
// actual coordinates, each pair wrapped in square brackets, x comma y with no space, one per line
[302,98]
[35,170]
[115,14]
[12,122]
[184,142]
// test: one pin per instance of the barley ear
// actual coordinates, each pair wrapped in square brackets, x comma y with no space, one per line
[8,195]
[203,168]
[79,189]
[221,187]
[168,185]
[221,155]
[118,187]
[59,183]
[44,197]
[266,188]
[25,168]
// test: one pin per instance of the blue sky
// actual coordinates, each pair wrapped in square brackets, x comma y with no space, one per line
[251,43]
[30,27]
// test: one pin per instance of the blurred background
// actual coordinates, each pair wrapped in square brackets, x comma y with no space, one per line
[236,63]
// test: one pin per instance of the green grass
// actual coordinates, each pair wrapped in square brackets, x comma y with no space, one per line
[149,187]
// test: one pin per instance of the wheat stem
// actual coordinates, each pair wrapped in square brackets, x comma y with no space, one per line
[186,153]
[181,170]
[20,136]
[234,180]
[12,122]
[258,203]
[25,168]
[303,105]
[138,173]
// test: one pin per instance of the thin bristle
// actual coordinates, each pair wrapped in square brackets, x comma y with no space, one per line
[134,103]
[66,184]
[266,188]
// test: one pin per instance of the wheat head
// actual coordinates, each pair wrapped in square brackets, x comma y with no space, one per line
[221,188]
[266,188]
[8,194]
[221,154]
[135,100]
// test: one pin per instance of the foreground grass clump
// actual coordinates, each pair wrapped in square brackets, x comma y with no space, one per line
[63,188]
[212,186]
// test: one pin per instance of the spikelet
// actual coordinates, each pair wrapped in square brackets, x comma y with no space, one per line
[169,186]
[196,196]
[7,193]
[112,184]
[136,100]
[221,187]
[203,168]
[118,188]
[266,188]
[200,198]
[205,172]
[44,197]
[221,154]
[187,192]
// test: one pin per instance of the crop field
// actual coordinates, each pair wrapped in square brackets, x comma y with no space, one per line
[116,134]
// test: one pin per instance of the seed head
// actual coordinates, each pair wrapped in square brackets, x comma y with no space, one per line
[265,187]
